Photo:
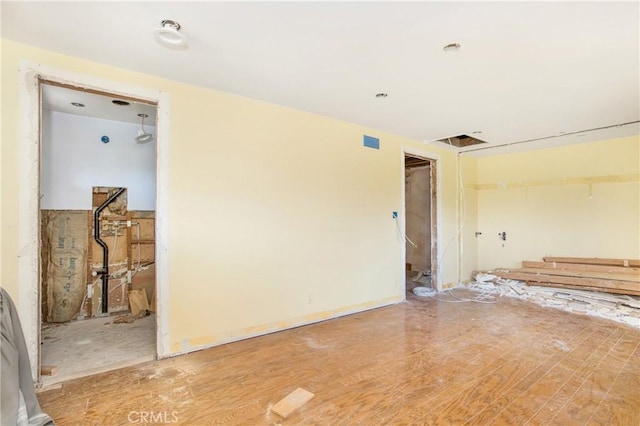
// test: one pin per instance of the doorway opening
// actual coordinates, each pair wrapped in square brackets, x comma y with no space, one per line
[97,213]
[420,209]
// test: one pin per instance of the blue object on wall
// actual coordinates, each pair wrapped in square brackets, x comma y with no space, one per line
[105,139]
[371,142]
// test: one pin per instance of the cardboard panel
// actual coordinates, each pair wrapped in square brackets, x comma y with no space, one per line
[145,278]
[147,229]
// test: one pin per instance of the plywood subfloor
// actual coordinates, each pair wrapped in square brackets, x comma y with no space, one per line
[420,362]
[81,348]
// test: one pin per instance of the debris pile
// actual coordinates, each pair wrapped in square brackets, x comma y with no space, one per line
[620,308]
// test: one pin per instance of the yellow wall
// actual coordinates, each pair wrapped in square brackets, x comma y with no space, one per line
[579,200]
[276,216]
[468,216]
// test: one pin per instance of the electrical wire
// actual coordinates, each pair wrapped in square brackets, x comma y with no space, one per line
[404,236]
[459,228]
[139,250]
[135,271]
[112,254]
[86,293]
[115,241]
[482,297]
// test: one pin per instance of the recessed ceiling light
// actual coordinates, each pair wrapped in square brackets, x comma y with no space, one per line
[169,35]
[381,95]
[476,132]
[77,104]
[119,102]
[451,47]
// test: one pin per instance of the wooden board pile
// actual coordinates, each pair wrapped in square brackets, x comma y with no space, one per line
[620,276]
[608,288]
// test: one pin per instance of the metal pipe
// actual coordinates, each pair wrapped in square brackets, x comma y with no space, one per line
[104,272]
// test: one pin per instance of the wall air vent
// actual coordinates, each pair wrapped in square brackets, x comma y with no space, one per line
[461,141]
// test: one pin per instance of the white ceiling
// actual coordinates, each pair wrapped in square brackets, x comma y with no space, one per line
[60,99]
[524,71]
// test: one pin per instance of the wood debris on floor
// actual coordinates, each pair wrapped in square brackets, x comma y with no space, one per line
[292,402]
[620,276]
[125,319]
[542,286]
[48,370]
[129,318]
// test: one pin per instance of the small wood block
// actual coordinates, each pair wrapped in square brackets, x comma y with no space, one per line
[292,402]
[48,370]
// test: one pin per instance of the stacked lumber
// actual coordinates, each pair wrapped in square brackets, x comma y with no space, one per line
[621,276]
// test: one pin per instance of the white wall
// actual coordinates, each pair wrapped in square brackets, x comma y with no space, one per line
[74,160]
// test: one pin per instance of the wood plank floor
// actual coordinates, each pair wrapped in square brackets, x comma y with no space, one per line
[420,362]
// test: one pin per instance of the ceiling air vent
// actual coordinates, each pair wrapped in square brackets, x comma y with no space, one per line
[461,141]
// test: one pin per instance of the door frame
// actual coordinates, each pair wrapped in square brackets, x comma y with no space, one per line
[29,277]
[435,177]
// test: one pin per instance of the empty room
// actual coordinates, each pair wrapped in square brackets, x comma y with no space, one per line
[327,213]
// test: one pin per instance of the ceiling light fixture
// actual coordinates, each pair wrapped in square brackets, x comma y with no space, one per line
[77,104]
[381,95]
[451,47]
[119,102]
[143,136]
[169,35]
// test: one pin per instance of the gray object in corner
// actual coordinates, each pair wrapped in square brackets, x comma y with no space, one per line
[18,402]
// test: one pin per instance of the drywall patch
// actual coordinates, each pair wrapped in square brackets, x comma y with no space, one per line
[371,142]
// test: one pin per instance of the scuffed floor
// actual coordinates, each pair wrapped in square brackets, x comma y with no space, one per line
[81,348]
[421,362]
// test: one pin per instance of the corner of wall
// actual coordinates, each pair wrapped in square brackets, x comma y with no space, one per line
[468,216]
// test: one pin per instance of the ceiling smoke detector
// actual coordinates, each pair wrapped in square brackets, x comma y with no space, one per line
[169,35]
